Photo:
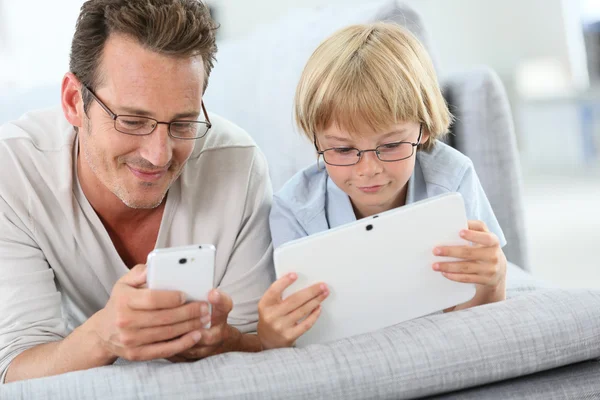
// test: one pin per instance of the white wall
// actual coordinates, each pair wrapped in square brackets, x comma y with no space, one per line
[501,34]
[37,37]
[34,46]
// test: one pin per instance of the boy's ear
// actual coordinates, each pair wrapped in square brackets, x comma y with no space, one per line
[425,135]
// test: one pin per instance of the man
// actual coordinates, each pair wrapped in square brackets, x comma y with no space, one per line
[133,162]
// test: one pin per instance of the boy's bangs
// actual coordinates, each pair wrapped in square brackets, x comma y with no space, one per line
[360,106]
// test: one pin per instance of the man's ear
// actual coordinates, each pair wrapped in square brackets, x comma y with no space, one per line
[71,100]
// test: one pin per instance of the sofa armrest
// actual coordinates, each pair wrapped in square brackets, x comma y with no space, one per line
[531,332]
[484,131]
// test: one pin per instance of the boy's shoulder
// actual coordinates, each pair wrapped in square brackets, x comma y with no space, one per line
[306,190]
[444,166]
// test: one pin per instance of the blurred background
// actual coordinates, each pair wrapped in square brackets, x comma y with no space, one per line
[546,52]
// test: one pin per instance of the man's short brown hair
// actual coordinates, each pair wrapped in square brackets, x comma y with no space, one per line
[178,28]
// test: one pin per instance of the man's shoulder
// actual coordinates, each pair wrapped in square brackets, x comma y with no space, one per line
[33,144]
[444,166]
[44,130]
[35,157]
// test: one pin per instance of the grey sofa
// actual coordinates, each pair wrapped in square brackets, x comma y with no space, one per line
[543,342]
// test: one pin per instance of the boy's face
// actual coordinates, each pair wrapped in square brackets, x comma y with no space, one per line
[373,185]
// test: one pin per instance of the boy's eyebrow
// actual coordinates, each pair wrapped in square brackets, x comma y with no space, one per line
[339,139]
[392,133]
[347,140]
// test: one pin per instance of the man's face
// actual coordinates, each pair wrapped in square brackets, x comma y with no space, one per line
[373,185]
[139,170]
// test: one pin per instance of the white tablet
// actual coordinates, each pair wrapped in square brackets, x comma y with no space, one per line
[379,269]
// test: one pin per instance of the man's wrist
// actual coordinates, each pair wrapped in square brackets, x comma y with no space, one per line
[97,348]
[245,342]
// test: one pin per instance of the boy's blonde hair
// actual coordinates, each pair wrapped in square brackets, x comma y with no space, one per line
[371,76]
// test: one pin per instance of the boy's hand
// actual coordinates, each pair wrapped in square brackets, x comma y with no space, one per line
[483,263]
[281,322]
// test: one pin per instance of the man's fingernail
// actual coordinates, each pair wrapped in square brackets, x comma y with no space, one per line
[437,251]
[293,276]
[436,267]
[196,336]
[463,233]
[216,295]
[183,298]
[323,287]
[205,320]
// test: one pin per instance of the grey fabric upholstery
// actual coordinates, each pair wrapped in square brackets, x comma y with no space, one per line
[484,131]
[579,381]
[528,333]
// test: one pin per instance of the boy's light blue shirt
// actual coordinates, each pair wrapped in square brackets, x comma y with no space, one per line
[310,202]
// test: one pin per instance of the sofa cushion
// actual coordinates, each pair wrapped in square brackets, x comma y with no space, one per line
[531,332]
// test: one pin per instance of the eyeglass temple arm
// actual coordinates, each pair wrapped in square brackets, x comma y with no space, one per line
[420,135]
[315,143]
[206,115]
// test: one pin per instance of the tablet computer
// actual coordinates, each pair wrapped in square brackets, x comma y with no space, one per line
[379,269]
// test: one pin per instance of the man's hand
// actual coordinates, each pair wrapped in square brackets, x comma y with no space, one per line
[142,324]
[282,322]
[220,337]
[484,264]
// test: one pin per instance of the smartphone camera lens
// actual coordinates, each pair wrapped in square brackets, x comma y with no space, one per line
[369,227]
[182,260]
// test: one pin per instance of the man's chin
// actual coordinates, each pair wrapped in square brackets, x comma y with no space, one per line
[142,201]
[141,204]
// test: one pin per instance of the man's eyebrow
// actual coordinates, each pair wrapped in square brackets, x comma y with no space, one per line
[146,113]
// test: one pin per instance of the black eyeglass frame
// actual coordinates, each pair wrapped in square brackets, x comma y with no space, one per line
[376,150]
[115,116]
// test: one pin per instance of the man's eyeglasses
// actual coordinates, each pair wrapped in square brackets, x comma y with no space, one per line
[141,126]
[389,152]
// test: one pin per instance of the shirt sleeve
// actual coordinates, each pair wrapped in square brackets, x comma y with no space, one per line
[477,204]
[284,225]
[30,304]
[250,269]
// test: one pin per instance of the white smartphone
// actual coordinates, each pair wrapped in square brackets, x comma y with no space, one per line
[189,269]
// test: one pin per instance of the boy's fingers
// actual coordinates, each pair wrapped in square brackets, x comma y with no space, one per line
[308,323]
[478,226]
[302,297]
[301,312]
[273,294]
[467,278]
[470,253]
[487,239]
[464,267]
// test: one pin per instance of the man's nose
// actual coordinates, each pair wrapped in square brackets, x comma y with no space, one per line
[157,147]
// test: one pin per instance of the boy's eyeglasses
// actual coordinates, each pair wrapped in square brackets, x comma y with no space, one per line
[389,152]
